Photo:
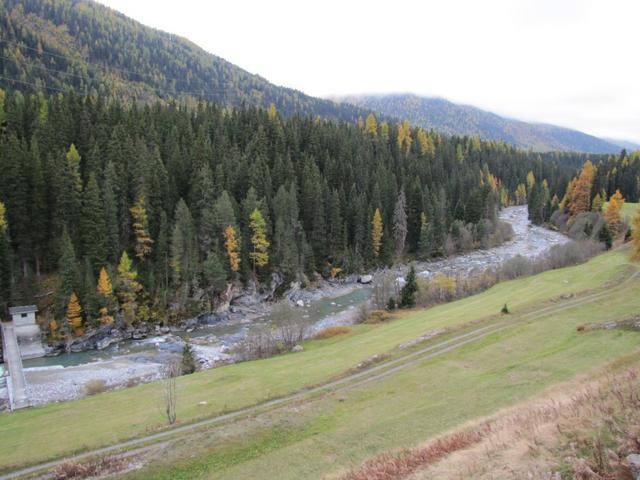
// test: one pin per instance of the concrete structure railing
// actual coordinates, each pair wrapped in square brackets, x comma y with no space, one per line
[16,383]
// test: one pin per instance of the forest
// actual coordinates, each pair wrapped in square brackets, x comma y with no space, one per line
[56,45]
[155,210]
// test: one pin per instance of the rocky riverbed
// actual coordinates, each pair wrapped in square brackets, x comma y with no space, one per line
[215,338]
[528,241]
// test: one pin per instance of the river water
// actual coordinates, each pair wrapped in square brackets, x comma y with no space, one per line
[145,358]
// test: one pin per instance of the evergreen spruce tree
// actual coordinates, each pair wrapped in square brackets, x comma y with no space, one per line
[110,209]
[184,247]
[188,365]
[424,242]
[67,273]
[605,237]
[215,277]
[93,229]
[400,224]
[88,293]
[409,290]
[6,275]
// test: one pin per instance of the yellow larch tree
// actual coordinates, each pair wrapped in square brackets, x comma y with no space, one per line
[272,112]
[104,283]
[404,136]
[74,314]
[105,297]
[3,218]
[231,245]
[259,255]
[521,194]
[531,181]
[426,144]
[612,215]
[371,125]
[376,233]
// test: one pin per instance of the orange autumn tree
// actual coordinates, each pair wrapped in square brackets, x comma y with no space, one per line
[612,215]
[231,244]
[580,190]
[74,315]
[105,297]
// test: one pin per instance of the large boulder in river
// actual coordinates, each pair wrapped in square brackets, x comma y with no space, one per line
[365,279]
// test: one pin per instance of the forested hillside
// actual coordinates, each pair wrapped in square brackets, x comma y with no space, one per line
[453,119]
[582,211]
[82,45]
[201,197]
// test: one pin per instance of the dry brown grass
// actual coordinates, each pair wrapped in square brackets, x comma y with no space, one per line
[331,332]
[97,468]
[583,429]
[390,466]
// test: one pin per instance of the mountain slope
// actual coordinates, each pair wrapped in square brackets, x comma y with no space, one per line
[629,146]
[85,46]
[454,119]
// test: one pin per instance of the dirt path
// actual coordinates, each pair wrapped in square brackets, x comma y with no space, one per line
[374,373]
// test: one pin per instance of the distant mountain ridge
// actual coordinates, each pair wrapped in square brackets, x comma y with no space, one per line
[629,146]
[454,119]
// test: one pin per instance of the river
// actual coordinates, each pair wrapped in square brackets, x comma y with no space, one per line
[64,376]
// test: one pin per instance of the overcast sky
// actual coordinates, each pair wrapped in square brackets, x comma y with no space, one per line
[573,63]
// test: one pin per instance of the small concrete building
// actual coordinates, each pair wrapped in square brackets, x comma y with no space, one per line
[27,331]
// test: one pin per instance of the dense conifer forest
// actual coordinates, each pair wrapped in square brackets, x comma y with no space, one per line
[54,45]
[175,203]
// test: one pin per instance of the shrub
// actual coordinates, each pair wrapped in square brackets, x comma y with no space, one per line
[330,332]
[378,316]
[93,387]
[188,362]
[391,304]
[505,309]
[363,313]
[408,292]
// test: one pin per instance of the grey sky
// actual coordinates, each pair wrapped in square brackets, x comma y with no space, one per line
[567,62]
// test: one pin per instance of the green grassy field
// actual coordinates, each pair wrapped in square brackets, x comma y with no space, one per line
[335,433]
[628,211]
